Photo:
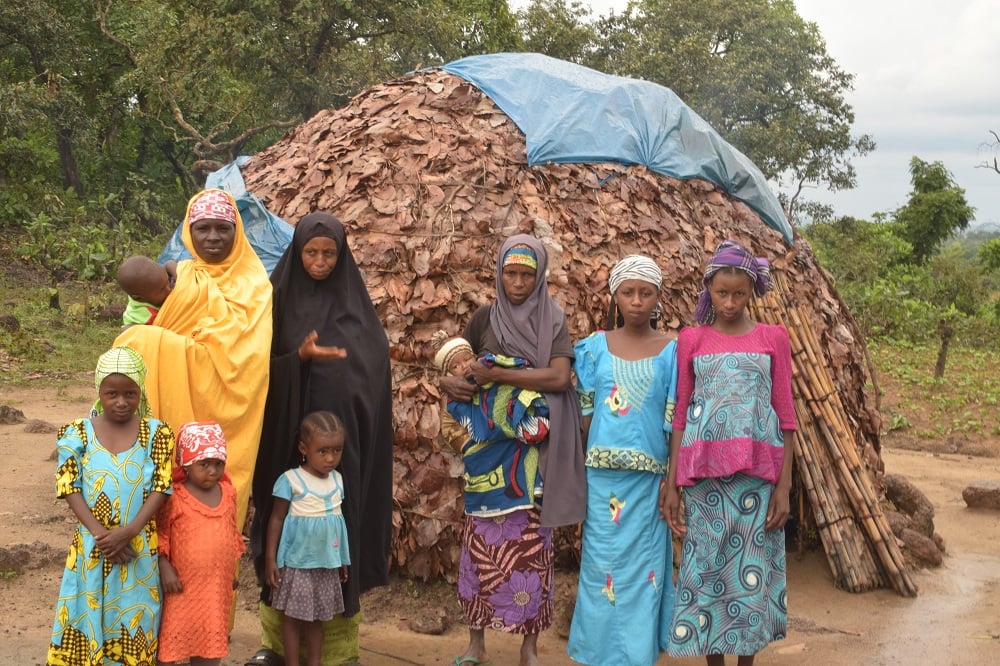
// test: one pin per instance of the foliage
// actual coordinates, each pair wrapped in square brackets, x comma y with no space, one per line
[936,209]
[756,71]
[892,296]
[989,254]
[966,401]
[226,78]
[856,251]
[54,343]
[558,29]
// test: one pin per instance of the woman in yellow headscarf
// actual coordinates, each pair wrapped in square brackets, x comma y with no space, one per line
[208,354]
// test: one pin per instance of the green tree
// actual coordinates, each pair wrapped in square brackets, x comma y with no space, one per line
[558,29]
[756,71]
[856,252]
[227,77]
[935,211]
[989,254]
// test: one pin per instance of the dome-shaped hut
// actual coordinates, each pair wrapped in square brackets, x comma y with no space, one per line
[429,174]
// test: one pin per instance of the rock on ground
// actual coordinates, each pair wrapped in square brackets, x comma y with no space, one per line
[982,495]
[910,500]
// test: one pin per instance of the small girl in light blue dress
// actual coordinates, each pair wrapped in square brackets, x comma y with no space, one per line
[306,553]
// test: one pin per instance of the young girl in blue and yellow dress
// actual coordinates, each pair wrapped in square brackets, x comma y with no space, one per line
[626,382]
[306,553]
[731,455]
[114,472]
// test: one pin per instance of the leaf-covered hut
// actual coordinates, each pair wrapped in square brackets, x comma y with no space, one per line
[429,175]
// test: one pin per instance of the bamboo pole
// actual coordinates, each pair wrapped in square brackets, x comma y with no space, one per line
[860,548]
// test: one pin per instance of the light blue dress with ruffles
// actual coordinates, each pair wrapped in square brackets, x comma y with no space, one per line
[314,535]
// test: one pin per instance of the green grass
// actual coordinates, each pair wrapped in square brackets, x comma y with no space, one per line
[57,344]
[963,402]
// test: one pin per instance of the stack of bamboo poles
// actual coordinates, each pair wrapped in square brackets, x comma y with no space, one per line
[860,547]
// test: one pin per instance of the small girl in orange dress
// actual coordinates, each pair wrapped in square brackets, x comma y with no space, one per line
[199,549]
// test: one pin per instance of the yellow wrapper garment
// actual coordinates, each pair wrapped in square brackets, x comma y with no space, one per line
[208,354]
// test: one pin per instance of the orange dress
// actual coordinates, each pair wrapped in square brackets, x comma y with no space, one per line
[203,545]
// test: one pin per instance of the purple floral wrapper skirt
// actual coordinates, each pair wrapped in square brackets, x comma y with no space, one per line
[506,572]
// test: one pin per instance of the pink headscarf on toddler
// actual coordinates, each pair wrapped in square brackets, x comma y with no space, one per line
[200,441]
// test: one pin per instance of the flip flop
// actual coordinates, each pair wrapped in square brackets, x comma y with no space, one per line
[265,657]
[470,660]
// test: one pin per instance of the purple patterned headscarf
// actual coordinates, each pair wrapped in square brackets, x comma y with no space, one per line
[731,254]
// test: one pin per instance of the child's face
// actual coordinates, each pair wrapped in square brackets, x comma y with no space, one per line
[205,474]
[636,300]
[730,293]
[119,397]
[322,452]
[459,366]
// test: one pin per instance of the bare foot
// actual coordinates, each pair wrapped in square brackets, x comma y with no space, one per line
[529,651]
[476,652]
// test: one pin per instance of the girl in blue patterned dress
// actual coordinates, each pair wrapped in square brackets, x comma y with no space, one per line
[626,383]
[731,454]
[114,472]
[306,553]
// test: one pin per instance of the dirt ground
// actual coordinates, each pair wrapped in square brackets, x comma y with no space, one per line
[954,620]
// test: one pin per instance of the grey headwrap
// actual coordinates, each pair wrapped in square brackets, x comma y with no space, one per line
[528,330]
[635,267]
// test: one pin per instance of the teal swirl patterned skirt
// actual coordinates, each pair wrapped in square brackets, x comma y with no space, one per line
[730,592]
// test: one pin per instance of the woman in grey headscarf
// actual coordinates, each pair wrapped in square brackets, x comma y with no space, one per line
[506,571]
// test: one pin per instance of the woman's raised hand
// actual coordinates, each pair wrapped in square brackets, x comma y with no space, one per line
[309,350]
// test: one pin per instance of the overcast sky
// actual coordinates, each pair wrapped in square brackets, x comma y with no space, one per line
[926,85]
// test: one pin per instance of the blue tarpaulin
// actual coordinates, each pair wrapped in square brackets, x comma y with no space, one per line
[574,114]
[268,234]
[568,113]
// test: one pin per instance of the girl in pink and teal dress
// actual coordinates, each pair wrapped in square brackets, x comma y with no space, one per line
[626,380]
[731,456]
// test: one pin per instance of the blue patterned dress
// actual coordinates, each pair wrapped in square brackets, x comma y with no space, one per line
[734,399]
[625,592]
[110,613]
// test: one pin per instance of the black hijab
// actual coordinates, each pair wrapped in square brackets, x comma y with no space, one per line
[357,389]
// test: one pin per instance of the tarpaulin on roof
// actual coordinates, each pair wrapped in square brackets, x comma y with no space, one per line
[570,113]
[268,234]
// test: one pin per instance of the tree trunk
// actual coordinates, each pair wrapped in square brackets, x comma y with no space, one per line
[945,332]
[71,174]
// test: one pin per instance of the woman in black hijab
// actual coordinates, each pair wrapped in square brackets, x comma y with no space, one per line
[329,352]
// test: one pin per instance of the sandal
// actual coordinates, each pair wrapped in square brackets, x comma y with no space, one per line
[265,657]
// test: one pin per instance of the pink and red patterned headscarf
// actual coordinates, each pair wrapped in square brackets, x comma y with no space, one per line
[212,205]
[200,441]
